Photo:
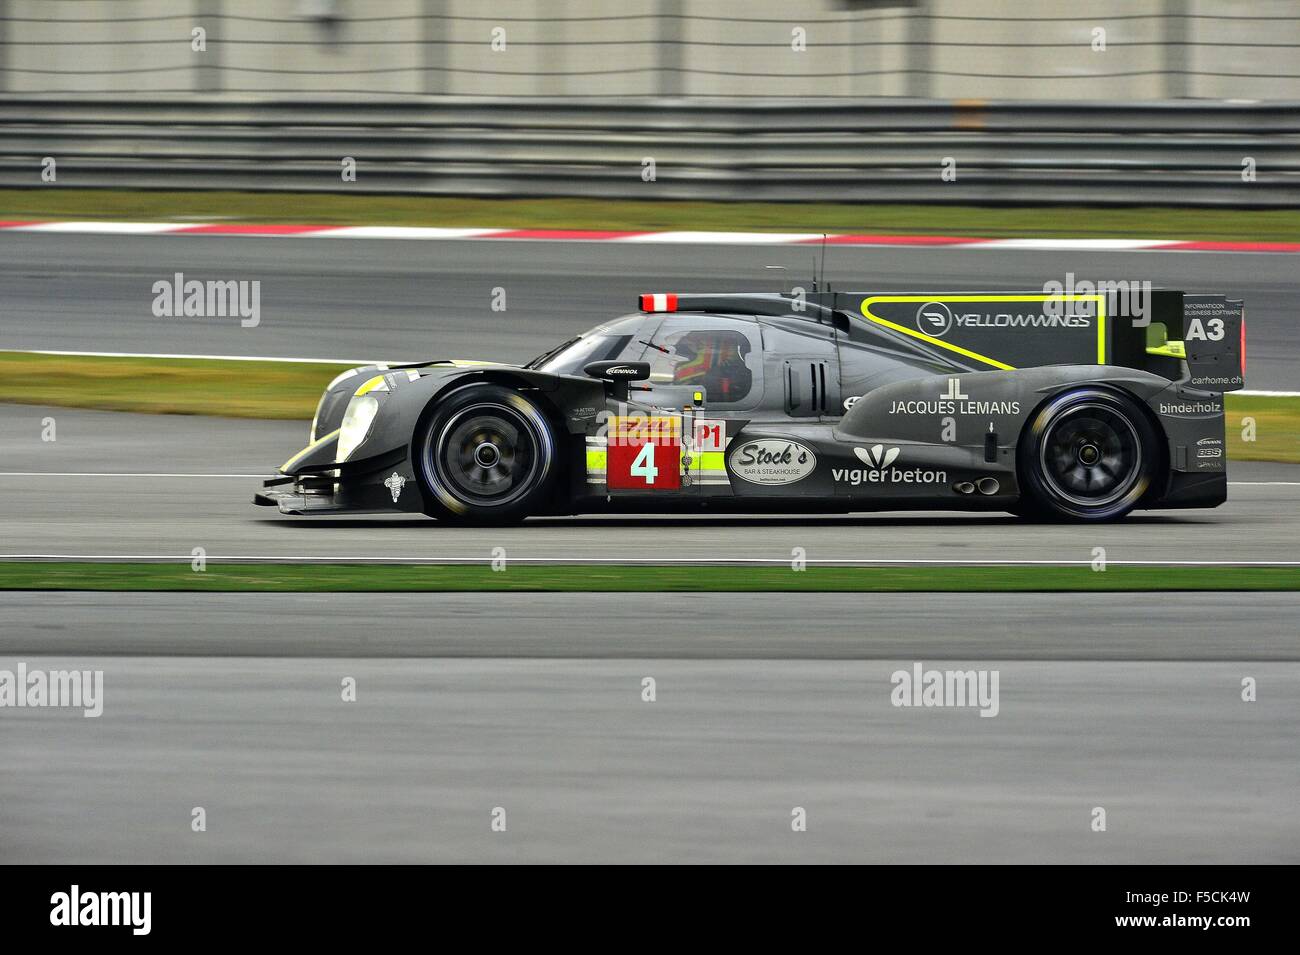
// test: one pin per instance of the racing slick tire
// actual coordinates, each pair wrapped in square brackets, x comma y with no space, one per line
[1087,454]
[487,455]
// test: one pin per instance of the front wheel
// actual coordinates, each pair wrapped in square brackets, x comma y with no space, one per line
[486,456]
[1088,454]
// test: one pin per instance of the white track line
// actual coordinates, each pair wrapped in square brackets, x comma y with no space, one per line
[642,561]
[105,228]
[128,354]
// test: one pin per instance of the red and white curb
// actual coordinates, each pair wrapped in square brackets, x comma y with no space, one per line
[663,238]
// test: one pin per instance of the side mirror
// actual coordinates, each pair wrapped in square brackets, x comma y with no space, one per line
[617,374]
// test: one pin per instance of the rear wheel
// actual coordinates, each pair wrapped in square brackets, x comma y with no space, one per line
[1088,454]
[486,456]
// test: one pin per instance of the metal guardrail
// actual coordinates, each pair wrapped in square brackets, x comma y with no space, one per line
[1182,153]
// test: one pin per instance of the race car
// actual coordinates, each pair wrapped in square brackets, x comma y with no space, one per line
[1048,405]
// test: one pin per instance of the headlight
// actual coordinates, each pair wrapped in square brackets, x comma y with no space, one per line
[356,425]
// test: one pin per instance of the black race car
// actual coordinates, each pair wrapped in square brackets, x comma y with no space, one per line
[1045,405]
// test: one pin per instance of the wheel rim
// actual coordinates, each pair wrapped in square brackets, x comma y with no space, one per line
[485,454]
[1091,455]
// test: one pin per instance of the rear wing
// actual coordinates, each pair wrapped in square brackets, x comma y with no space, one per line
[1197,338]
[1213,340]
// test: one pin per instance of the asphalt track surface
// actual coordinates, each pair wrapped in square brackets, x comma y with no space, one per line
[374,298]
[710,771]
[533,703]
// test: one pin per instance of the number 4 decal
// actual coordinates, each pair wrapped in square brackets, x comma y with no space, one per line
[644,453]
[644,465]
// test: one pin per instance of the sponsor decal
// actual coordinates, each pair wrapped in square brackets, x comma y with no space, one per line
[644,452]
[954,390]
[953,402]
[772,461]
[1209,449]
[710,434]
[395,482]
[880,470]
[878,456]
[1209,335]
[1191,407]
[936,319]
[636,429]
[622,371]
[578,414]
[944,407]
[1018,320]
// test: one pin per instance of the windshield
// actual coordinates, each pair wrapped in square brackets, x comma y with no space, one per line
[570,357]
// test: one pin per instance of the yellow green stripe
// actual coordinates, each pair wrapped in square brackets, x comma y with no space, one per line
[307,450]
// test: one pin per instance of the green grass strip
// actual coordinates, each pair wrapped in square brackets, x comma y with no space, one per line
[313,578]
[195,386]
[344,208]
[1273,424]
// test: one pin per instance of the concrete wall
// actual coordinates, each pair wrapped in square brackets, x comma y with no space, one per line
[723,48]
